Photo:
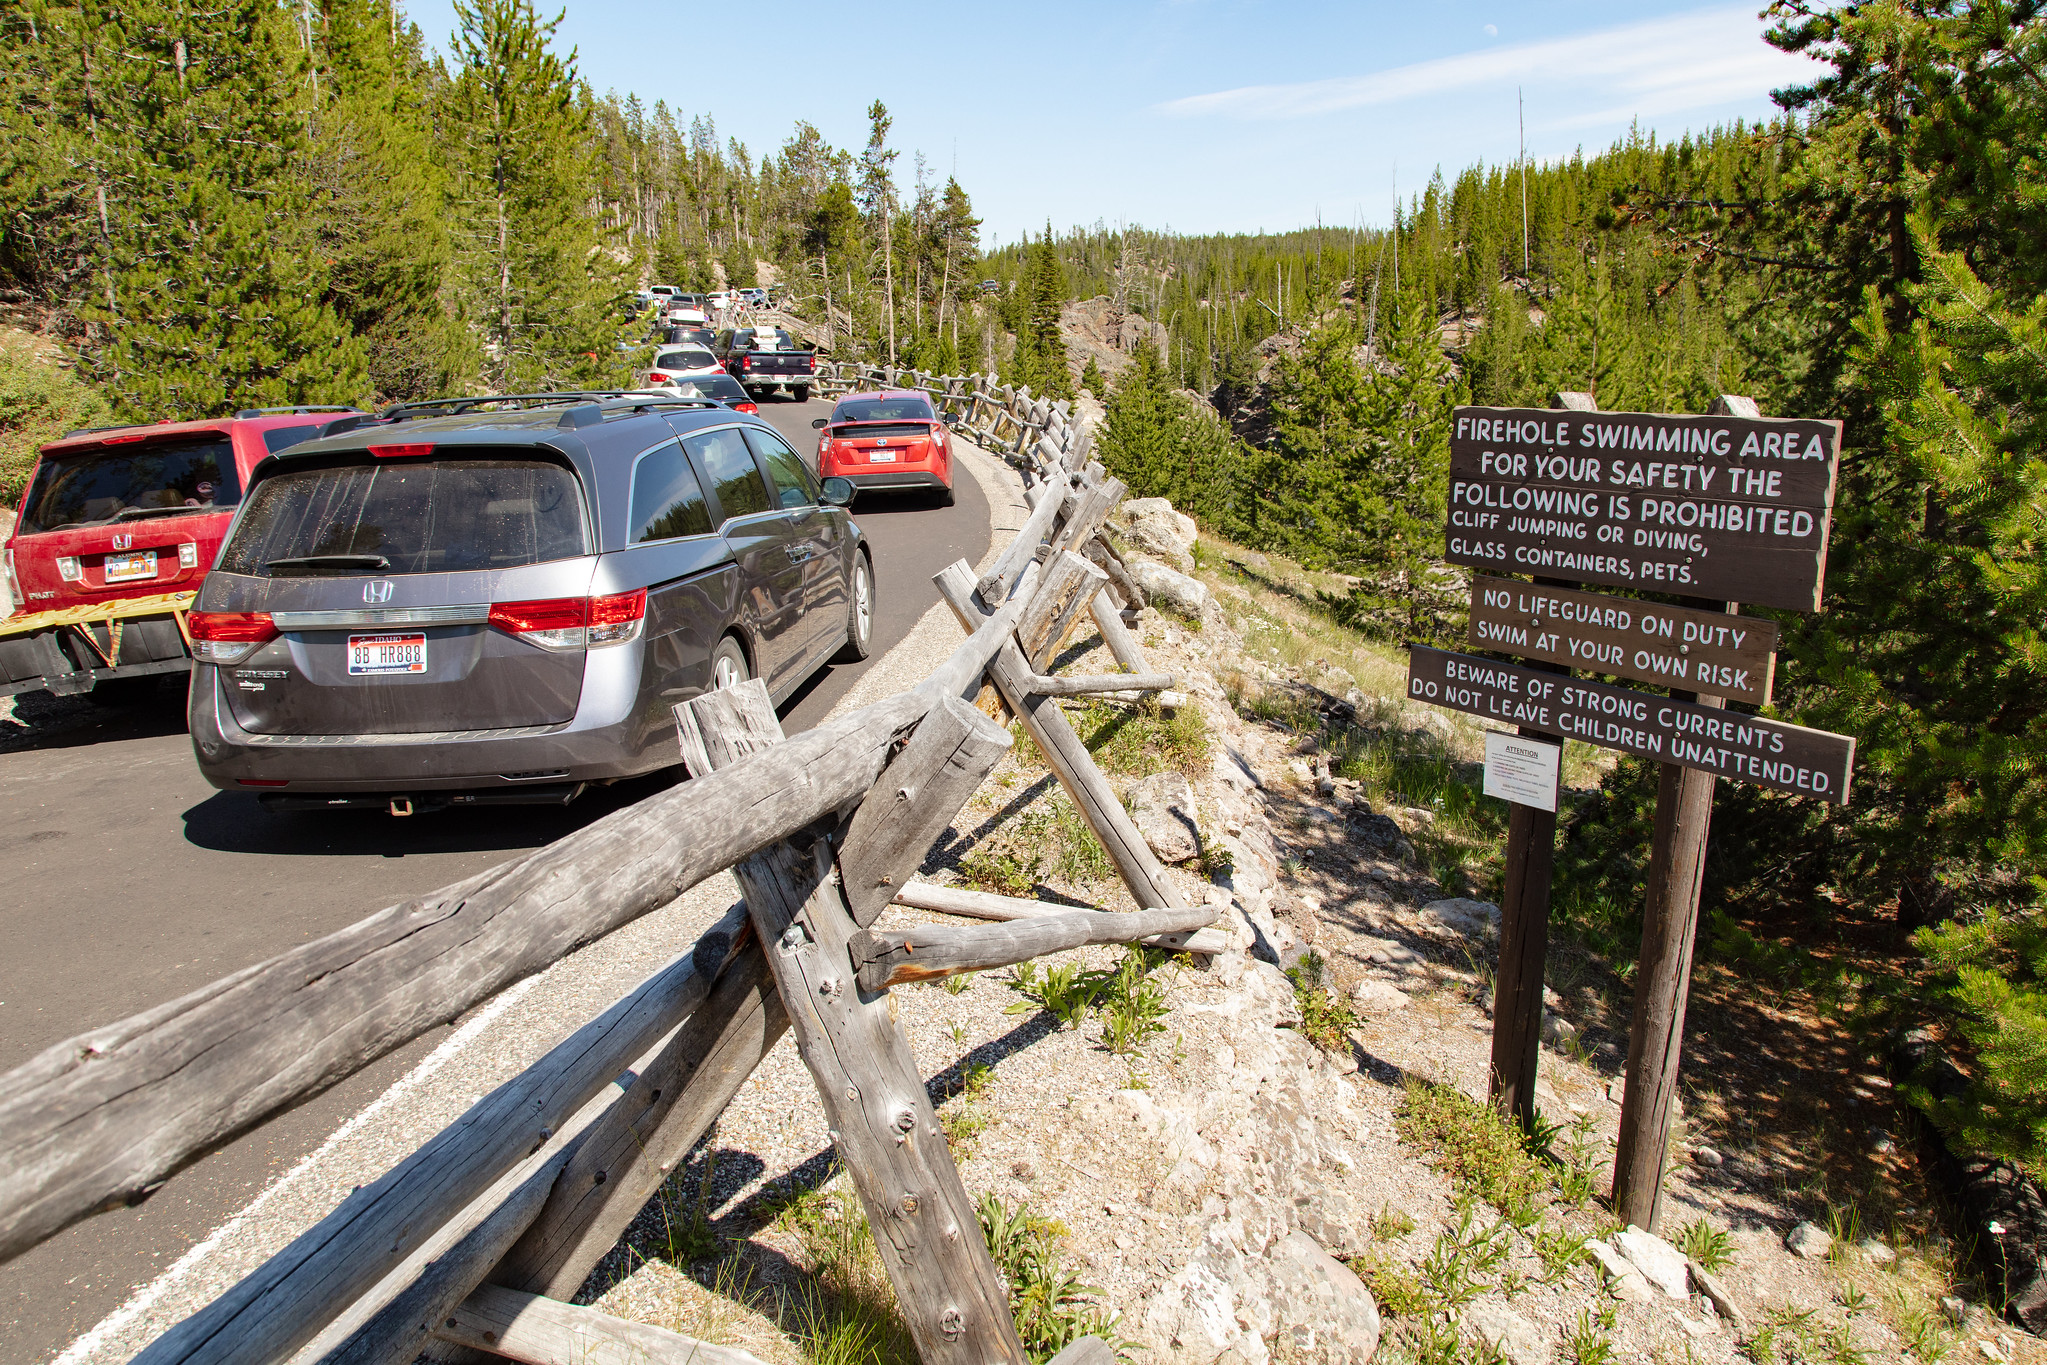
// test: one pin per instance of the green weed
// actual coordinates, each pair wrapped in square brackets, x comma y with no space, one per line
[961,1115]
[1587,1341]
[957,985]
[1390,1224]
[1134,1005]
[1064,991]
[1480,1150]
[1141,739]
[847,1314]
[1788,1337]
[1001,871]
[1326,1017]
[1456,1266]
[1398,1292]
[1705,1244]
[1053,1309]
[1558,1250]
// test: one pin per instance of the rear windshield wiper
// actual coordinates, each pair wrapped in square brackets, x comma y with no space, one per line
[316,564]
[136,513]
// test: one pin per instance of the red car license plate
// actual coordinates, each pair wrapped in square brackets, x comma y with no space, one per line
[130,567]
[387,653]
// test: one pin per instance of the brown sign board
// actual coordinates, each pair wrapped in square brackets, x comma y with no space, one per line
[1694,651]
[1736,508]
[1766,753]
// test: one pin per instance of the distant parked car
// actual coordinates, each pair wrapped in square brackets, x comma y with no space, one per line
[889,439]
[689,362]
[722,298]
[757,297]
[720,388]
[686,336]
[991,286]
[493,601]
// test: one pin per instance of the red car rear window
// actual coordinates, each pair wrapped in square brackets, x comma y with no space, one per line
[131,482]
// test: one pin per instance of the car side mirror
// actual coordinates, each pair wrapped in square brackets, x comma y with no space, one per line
[952,419]
[818,423]
[838,491]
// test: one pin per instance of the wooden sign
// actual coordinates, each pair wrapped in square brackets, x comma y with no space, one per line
[1729,507]
[1695,651]
[1766,753]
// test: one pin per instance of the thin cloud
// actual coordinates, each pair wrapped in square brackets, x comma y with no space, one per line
[1702,58]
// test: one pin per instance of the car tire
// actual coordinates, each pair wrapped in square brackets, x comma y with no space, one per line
[802,393]
[728,664]
[859,613]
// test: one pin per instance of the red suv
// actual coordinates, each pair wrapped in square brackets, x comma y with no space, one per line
[115,530]
[887,440]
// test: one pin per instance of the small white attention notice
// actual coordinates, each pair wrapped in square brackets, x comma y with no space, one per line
[1523,770]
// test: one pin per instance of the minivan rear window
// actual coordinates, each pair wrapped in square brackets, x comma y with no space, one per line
[438,516]
[129,482]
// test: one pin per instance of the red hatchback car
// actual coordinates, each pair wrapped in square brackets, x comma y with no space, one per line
[116,528]
[887,440]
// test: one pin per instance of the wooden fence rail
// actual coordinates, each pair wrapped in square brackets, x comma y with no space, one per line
[479,1236]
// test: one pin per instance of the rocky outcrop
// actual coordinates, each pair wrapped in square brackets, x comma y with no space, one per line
[1170,590]
[1162,808]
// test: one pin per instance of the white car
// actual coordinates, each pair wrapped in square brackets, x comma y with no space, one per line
[687,317]
[687,362]
[724,298]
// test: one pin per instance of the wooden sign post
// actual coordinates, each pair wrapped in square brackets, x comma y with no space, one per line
[1734,505]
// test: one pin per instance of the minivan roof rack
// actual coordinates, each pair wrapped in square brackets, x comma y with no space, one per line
[601,400]
[303,407]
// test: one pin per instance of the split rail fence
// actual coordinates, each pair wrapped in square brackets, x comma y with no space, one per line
[482,1236]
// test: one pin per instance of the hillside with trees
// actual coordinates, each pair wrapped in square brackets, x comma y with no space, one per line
[256,206]
[1875,255]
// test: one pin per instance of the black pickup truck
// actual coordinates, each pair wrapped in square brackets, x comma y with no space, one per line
[765,359]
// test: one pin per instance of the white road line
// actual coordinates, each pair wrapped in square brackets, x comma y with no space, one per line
[143,1299]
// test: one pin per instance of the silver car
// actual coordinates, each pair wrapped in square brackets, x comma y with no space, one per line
[500,600]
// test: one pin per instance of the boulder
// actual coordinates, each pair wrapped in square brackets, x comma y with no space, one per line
[1323,1311]
[1162,808]
[1465,917]
[1327,1213]
[1380,832]
[1153,527]
[1170,590]
[1618,1273]
[1378,997]
[1808,1241]
[1660,1263]
[1517,1339]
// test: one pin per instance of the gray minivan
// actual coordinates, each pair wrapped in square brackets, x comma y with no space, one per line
[488,601]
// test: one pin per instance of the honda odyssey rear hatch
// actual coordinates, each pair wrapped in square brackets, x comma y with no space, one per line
[408,589]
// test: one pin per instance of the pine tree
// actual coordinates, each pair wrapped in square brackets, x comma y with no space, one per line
[182,135]
[878,199]
[530,258]
[1141,430]
[1041,359]
[379,200]
[1091,378]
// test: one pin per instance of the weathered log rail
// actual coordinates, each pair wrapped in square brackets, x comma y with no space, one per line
[481,1235]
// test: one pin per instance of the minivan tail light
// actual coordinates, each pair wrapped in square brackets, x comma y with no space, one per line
[405,450]
[656,376]
[228,637]
[563,623]
[616,619]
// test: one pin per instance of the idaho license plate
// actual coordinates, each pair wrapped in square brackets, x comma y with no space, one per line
[387,653]
[130,567]
[881,457]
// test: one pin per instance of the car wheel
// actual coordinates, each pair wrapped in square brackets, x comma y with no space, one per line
[728,664]
[859,613]
[803,393]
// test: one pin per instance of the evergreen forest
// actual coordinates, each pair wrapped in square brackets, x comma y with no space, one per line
[257,205]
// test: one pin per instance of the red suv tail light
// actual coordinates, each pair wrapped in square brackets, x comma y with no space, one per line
[753,408]
[563,623]
[228,637]
[656,377]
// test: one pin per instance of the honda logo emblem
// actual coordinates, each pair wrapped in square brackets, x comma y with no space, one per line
[379,591]
[126,542]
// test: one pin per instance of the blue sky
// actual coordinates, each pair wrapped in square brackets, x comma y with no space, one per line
[1200,115]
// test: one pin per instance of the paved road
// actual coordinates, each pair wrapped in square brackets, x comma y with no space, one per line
[133,882]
